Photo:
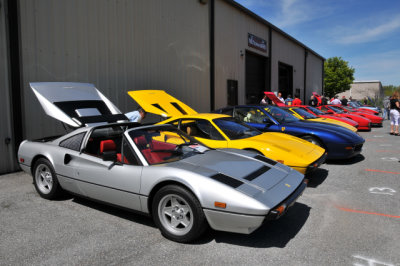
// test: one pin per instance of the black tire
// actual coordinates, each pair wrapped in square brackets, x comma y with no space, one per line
[169,213]
[45,180]
[313,140]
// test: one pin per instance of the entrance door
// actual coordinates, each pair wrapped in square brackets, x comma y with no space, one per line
[256,73]
[285,80]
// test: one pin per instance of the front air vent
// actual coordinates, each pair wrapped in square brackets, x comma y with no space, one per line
[180,109]
[257,173]
[227,180]
[156,105]
[265,159]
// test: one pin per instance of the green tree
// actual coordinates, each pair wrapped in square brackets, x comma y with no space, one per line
[389,89]
[338,76]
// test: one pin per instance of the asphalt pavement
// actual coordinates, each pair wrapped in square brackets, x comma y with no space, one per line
[348,215]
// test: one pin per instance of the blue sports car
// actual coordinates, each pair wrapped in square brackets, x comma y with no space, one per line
[339,142]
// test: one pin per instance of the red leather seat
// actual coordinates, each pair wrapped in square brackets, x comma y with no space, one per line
[107,145]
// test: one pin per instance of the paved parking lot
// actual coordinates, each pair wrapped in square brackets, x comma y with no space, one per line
[349,215]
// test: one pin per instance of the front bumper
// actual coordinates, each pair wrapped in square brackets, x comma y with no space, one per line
[365,127]
[376,124]
[246,224]
[312,167]
[343,151]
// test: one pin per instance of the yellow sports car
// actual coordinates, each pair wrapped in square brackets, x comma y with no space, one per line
[223,131]
[304,115]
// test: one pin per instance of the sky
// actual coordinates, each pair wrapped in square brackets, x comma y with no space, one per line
[365,33]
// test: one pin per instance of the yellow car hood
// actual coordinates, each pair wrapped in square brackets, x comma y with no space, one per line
[333,121]
[160,103]
[292,150]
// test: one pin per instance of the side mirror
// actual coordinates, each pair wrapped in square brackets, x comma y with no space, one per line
[329,111]
[110,156]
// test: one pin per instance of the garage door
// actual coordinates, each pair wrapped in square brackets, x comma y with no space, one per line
[256,72]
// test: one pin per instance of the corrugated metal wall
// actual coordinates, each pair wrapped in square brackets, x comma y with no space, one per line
[290,53]
[314,75]
[7,155]
[117,45]
[231,29]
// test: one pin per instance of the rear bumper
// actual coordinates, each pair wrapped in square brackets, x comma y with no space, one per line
[246,224]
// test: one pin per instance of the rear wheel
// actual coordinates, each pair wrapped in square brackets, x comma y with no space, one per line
[313,140]
[178,214]
[45,180]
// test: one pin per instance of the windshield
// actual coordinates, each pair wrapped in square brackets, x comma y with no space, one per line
[280,115]
[165,144]
[235,129]
[315,110]
[336,109]
[303,113]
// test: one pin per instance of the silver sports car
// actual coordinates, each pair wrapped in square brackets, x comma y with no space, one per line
[156,170]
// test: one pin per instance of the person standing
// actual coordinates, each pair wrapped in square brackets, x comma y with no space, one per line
[289,100]
[386,108]
[336,100]
[394,114]
[313,101]
[344,100]
[136,116]
[264,100]
[324,100]
[280,97]
[297,100]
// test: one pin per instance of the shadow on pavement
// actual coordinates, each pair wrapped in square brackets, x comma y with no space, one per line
[276,233]
[122,213]
[317,177]
[356,159]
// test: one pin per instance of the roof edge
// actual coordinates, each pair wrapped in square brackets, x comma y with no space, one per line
[272,26]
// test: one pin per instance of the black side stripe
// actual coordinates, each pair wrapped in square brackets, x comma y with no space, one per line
[257,173]
[227,180]
[130,192]
[265,159]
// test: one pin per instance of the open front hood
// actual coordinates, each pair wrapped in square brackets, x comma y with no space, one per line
[161,103]
[76,104]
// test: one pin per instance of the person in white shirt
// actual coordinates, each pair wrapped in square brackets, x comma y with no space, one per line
[336,100]
[136,116]
[280,97]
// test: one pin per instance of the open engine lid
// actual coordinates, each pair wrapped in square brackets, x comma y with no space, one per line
[76,104]
[161,103]
[274,99]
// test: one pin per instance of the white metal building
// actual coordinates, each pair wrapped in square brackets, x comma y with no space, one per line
[361,89]
[208,53]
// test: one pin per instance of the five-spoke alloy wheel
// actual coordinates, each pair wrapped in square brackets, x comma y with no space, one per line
[45,180]
[178,214]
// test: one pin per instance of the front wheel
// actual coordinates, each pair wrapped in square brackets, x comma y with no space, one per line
[45,180]
[178,214]
[313,140]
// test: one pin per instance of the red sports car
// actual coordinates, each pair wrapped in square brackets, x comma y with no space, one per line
[363,123]
[375,120]
[364,110]
[319,113]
